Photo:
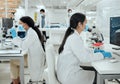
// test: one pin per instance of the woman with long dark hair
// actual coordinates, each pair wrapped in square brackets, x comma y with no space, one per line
[73,54]
[36,56]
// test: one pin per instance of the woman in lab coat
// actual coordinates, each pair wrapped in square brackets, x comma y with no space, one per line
[73,54]
[36,56]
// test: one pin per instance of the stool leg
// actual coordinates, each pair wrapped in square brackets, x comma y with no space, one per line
[36,82]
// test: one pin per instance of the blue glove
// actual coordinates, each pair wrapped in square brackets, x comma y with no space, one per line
[13,32]
[98,50]
[106,54]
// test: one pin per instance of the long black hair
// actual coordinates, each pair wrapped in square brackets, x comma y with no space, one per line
[29,21]
[74,20]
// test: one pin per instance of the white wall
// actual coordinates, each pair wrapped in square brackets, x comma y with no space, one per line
[31,12]
[90,15]
[105,10]
[19,13]
[57,15]
[53,16]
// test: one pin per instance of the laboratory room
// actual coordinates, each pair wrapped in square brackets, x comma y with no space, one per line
[59,42]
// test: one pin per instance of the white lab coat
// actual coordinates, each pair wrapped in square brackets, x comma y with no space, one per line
[69,61]
[36,55]
[46,21]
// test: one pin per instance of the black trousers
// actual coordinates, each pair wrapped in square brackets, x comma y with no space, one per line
[89,68]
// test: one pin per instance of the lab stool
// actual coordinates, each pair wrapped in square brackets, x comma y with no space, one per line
[36,82]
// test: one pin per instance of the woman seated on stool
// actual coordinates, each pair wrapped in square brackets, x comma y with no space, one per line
[73,52]
[36,55]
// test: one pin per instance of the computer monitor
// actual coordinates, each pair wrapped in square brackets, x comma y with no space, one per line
[115,31]
[7,22]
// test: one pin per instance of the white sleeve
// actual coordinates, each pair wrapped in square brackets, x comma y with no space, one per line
[29,40]
[82,53]
[17,41]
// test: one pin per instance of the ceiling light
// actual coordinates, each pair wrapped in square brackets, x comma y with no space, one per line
[64,2]
[41,7]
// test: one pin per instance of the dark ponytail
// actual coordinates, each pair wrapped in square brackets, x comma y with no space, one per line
[74,20]
[40,36]
[68,32]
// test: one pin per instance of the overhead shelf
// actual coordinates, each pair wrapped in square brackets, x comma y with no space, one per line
[7,7]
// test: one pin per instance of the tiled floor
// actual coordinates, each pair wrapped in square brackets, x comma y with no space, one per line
[5,74]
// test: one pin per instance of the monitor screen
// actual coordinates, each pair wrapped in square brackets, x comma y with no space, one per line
[115,30]
[7,22]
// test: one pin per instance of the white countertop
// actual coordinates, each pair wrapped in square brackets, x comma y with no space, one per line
[108,66]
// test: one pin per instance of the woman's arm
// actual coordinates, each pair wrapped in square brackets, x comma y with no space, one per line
[81,52]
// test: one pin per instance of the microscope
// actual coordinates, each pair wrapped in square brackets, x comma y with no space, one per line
[94,38]
[96,35]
